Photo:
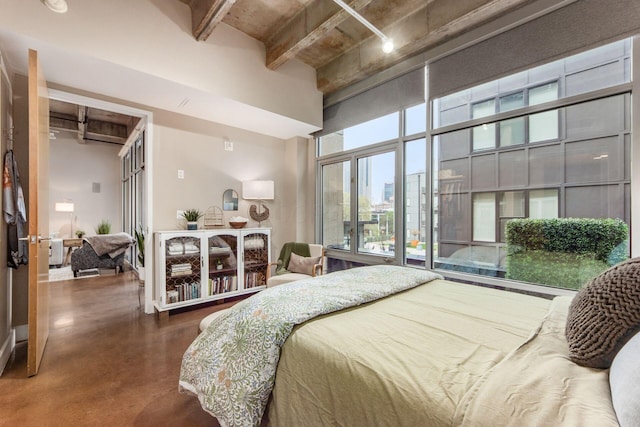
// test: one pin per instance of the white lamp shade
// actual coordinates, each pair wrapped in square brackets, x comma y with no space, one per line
[64,207]
[258,190]
[58,6]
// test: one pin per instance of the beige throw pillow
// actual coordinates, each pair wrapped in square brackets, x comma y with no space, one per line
[303,265]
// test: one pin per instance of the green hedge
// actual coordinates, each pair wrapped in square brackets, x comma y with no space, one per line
[563,252]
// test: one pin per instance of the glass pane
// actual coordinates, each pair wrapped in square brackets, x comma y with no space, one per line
[544,93]
[543,126]
[139,153]
[483,109]
[183,269]
[336,205]
[416,119]
[543,204]
[126,169]
[376,185]
[415,187]
[511,102]
[484,217]
[377,130]
[484,137]
[223,264]
[512,132]
[512,204]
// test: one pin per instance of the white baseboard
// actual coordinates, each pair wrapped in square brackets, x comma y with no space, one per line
[6,350]
[22,333]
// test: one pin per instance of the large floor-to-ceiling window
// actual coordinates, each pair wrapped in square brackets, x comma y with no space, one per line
[449,183]
[550,142]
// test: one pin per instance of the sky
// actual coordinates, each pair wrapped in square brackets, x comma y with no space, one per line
[384,129]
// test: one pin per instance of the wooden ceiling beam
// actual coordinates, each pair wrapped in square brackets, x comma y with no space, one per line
[306,28]
[436,22]
[206,15]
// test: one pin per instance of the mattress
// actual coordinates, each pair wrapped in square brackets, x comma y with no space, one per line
[406,360]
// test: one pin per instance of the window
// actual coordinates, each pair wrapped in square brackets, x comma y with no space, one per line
[510,132]
[336,206]
[376,230]
[484,217]
[415,197]
[567,161]
[377,130]
[366,177]
[416,119]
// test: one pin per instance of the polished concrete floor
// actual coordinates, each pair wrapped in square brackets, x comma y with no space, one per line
[106,362]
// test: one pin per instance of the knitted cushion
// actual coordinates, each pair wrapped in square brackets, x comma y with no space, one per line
[604,315]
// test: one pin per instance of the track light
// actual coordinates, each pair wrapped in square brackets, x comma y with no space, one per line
[387,43]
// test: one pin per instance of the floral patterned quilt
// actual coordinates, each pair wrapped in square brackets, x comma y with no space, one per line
[231,366]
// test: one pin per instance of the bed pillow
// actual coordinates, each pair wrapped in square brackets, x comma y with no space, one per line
[624,379]
[301,264]
[604,315]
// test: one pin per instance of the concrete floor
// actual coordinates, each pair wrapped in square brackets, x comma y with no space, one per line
[106,363]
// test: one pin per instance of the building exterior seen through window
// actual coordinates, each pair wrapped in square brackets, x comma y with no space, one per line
[548,149]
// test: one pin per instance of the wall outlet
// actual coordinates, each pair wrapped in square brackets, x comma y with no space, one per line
[228,145]
[180,174]
[179,214]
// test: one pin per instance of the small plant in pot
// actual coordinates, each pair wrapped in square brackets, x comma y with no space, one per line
[80,234]
[192,216]
[104,227]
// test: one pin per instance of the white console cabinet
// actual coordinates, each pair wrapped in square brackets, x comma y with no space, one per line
[199,266]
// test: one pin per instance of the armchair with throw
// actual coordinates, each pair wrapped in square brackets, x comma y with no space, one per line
[296,261]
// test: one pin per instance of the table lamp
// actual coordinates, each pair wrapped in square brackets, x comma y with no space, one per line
[260,191]
[67,206]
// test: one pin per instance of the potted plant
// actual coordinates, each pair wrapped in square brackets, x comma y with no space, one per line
[139,233]
[80,234]
[104,227]
[192,216]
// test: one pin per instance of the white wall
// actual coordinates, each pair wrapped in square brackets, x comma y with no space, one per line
[196,146]
[73,168]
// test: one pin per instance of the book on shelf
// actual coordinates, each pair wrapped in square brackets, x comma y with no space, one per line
[252,279]
[222,284]
[184,292]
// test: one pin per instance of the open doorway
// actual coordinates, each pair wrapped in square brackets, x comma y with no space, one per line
[98,174]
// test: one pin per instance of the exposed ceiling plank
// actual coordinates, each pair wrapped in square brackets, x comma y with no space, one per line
[306,28]
[82,124]
[206,15]
[432,24]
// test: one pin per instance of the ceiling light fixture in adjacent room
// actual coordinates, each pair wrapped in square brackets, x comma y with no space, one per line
[387,43]
[58,6]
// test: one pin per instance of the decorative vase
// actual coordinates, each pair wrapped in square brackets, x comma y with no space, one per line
[192,225]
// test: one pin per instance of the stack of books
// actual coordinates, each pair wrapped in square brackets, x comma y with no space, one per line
[222,284]
[183,292]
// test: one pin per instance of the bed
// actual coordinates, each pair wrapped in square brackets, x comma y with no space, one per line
[408,349]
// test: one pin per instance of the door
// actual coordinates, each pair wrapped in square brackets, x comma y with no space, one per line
[38,214]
